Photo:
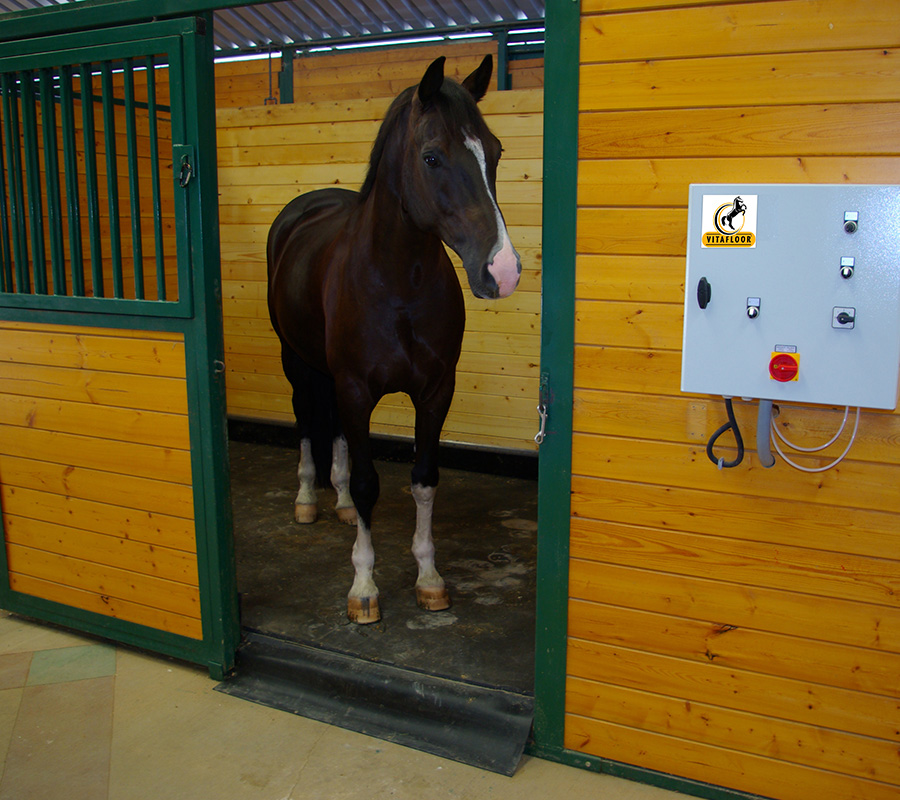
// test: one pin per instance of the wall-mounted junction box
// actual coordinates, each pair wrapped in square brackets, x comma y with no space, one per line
[792,293]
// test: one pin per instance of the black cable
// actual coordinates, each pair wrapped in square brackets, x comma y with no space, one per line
[730,425]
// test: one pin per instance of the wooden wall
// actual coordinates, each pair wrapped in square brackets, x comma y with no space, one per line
[269,154]
[95,472]
[737,627]
[359,73]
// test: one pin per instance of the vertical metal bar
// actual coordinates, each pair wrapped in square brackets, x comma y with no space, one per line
[6,278]
[154,179]
[183,244]
[112,176]
[33,181]
[212,510]
[51,181]
[286,76]
[561,71]
[70,167]
[134,184]
[504,79]
[90,169]
[14,169]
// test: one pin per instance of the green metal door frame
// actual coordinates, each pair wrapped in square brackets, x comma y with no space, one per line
[197,314]
[557,364]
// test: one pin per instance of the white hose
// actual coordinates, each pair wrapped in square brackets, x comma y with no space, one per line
[815,449]
[831,441]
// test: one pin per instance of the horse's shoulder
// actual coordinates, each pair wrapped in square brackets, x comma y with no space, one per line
[321,200]
[314,204]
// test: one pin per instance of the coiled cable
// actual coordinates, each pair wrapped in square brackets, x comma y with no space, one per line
[731,425]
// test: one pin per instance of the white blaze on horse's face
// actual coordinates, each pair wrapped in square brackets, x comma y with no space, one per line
[503,260]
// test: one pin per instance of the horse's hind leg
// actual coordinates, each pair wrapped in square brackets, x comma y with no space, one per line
[305,509]
[305,505]
[340,480]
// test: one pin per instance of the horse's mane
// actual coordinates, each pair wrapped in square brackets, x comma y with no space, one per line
[398,111]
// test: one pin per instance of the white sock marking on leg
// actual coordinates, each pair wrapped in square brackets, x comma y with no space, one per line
[306,475]
[423,543]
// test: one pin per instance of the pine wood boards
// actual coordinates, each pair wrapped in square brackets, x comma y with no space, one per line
[95,472]
[737,627]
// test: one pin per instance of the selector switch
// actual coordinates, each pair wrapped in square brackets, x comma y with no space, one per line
[753,305]
[851,221]
[843,317]
[784,367]
[848,265]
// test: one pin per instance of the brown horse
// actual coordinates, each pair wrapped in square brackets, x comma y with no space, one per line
[366,302]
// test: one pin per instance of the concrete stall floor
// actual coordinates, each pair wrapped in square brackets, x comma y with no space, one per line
[84,720]
[293,579]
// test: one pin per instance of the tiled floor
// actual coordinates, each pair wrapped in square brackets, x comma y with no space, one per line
[81,720]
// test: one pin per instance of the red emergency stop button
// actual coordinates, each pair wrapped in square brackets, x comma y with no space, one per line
[784,367]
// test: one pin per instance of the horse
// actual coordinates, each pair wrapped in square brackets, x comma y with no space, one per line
[738,207]
[366,302]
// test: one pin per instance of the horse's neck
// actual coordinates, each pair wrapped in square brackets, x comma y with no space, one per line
[397,243]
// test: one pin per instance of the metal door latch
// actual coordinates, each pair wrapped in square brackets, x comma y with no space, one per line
[187,171]
[543,390]
[542,412]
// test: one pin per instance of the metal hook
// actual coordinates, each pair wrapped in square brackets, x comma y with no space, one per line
[542,411]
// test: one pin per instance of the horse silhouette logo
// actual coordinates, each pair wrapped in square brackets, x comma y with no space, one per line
[733,218]
[727,214]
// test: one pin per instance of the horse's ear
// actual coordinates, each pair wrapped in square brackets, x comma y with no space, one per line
[432,81]
[477,83]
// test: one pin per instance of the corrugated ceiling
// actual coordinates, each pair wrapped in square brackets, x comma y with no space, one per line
[308,22]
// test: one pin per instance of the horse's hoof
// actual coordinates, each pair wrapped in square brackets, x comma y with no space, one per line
[347,514]
[363,610]
[305,513]
[432,598]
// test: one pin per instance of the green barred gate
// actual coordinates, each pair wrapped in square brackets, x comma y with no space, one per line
[114,497]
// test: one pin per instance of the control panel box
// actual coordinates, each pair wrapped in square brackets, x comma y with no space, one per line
[792,293]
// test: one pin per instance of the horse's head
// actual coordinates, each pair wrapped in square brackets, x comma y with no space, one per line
[448,175]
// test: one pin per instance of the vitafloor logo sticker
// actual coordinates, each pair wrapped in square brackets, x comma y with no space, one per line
[729,220]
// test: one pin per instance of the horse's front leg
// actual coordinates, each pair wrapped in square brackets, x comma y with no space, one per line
[356,410]
[431,593]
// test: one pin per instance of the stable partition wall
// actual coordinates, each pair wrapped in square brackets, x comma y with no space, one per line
[269,154]
[96,491]
[735,627]
[357,73]
[362,73]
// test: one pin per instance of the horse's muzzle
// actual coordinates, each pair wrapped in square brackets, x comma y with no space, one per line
[486,287]
[504,271]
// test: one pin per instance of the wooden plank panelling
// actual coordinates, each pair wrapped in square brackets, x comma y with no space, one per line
[739,627]
[269,154]
[357,74]
[95,472]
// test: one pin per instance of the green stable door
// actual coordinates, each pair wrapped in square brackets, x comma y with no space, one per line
[114,496]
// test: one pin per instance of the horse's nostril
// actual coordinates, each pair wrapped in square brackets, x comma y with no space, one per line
[491,288]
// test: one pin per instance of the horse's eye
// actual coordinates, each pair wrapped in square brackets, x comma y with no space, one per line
[431,160]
